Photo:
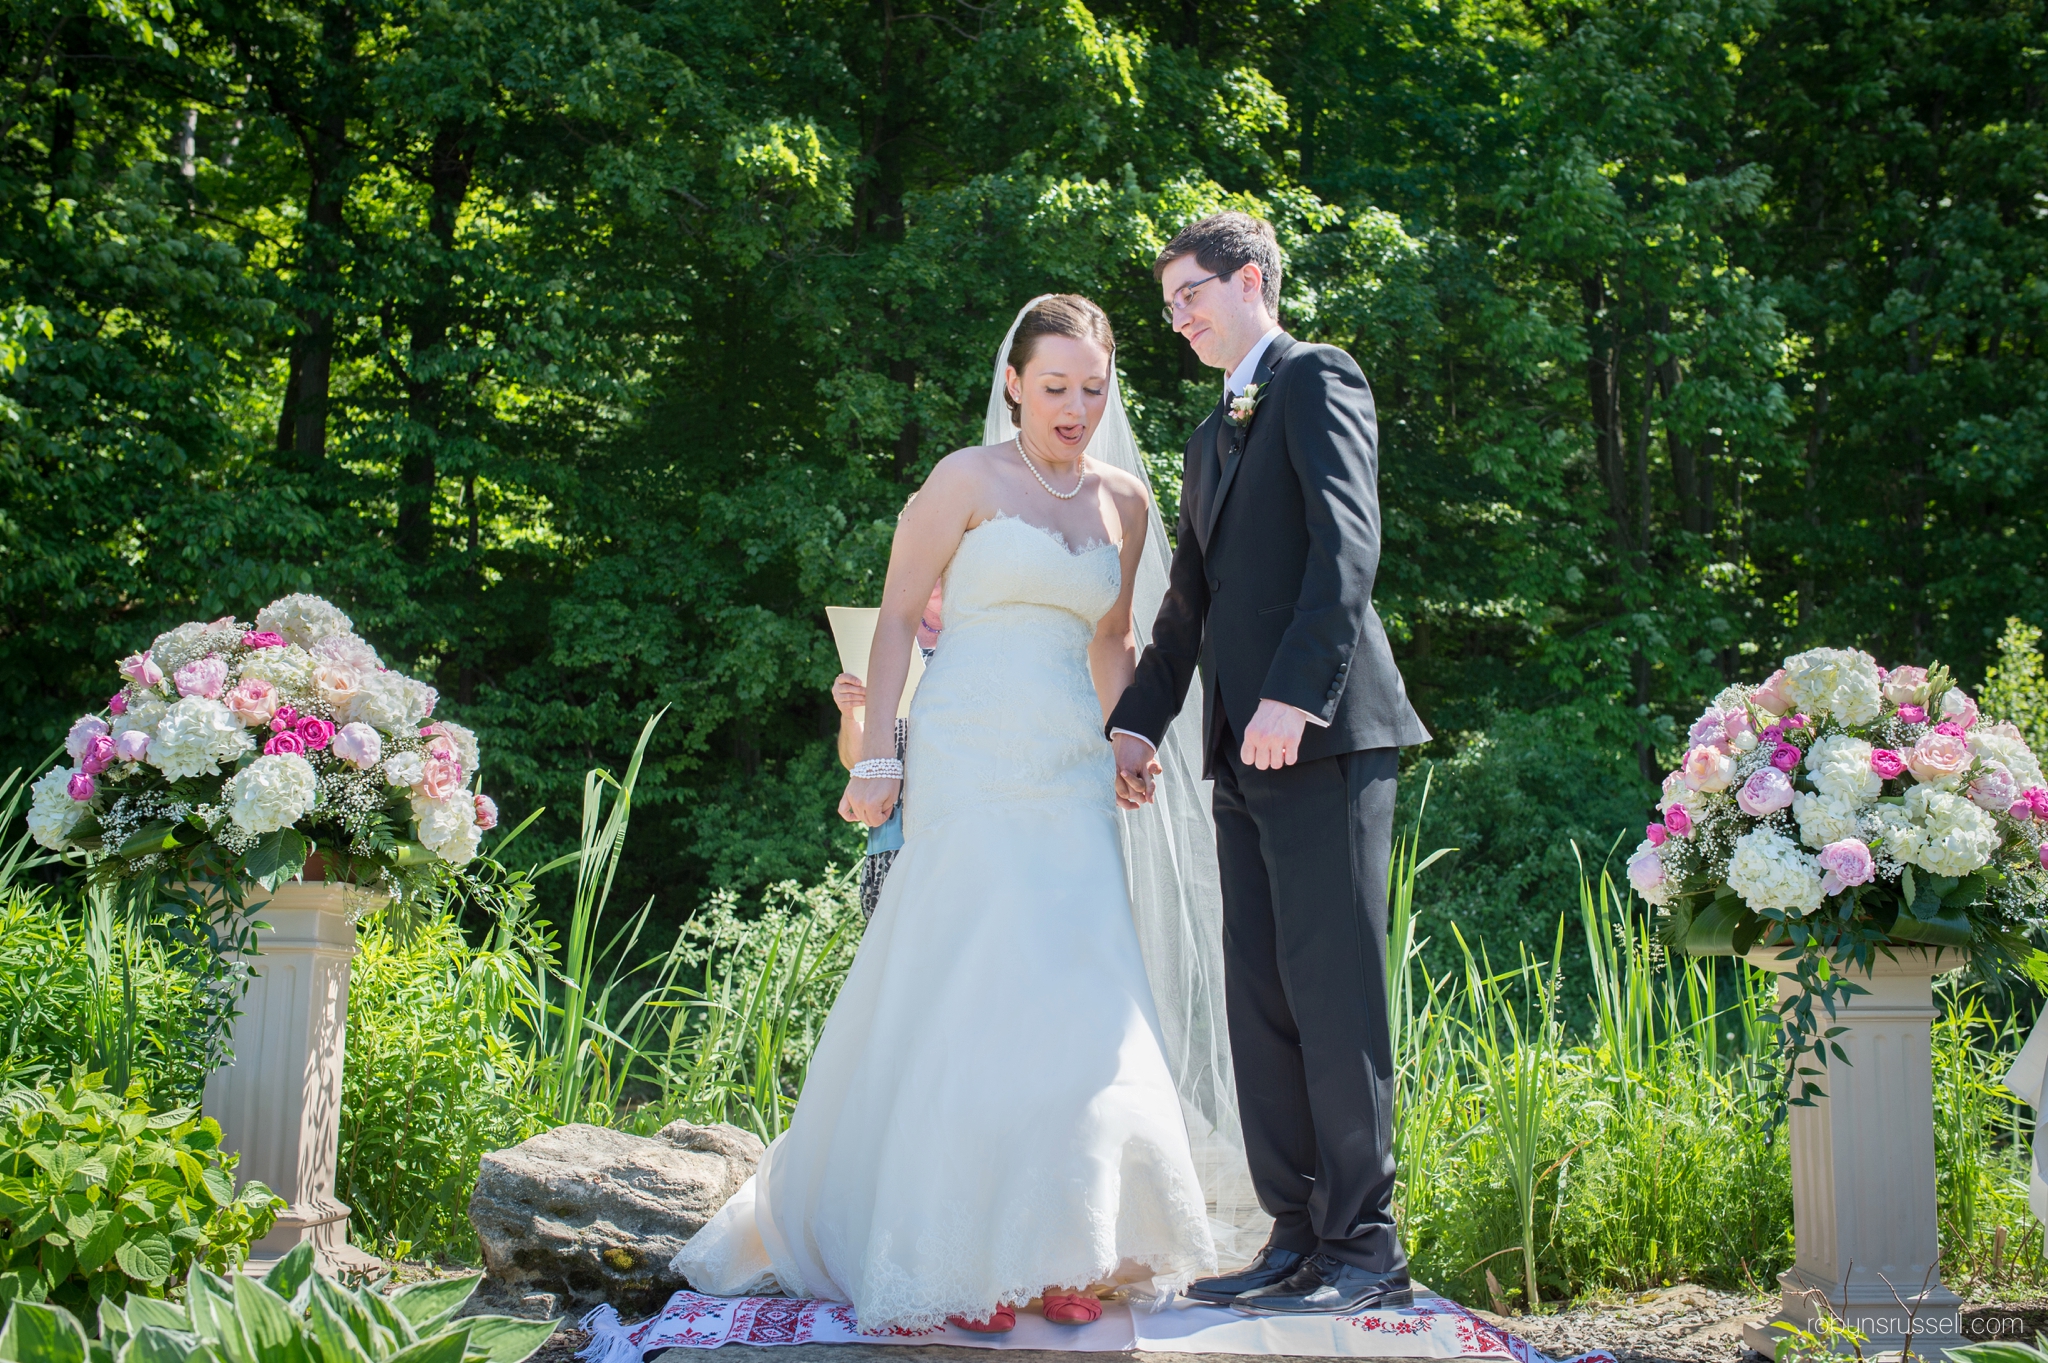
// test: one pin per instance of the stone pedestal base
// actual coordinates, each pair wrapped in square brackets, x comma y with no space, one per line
[1863,1195]
[278,1101]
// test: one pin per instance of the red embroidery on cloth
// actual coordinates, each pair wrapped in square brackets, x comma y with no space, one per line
[772,1320]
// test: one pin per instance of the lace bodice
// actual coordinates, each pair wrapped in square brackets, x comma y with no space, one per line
[1007,709]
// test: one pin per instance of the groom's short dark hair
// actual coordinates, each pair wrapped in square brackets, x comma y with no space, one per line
[1224,243]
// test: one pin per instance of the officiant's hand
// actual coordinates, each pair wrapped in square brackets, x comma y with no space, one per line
[1273,738]
[1136,764]
[869,799]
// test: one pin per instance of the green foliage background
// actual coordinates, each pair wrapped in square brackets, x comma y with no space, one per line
[584,350]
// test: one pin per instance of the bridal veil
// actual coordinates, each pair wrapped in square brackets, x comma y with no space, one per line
[1170,863]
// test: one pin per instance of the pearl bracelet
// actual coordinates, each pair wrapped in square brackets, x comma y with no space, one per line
[887,768]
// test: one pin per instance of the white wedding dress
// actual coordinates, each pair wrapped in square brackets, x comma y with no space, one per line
[990,1111]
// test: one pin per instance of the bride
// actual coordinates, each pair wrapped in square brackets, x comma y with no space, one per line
[991,1115]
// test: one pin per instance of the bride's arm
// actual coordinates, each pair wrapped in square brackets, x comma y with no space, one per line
[927,533]
[1113,652]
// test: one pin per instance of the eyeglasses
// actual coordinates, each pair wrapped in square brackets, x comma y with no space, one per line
[1184,296]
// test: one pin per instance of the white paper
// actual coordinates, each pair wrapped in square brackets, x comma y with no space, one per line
[853,630]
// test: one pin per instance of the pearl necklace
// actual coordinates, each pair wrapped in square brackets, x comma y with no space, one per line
[1082,462]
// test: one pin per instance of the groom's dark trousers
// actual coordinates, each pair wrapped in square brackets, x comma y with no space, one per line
[1303,854]
[1270,593]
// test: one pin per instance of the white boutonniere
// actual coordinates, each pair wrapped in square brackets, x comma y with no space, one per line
[1244,404]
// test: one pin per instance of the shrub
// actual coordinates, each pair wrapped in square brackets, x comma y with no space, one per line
[100,1197]
[292,1316]
[439,1072]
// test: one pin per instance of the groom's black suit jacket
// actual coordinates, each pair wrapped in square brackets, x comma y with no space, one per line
[1271,585]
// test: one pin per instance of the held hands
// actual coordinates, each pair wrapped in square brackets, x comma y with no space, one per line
[869,799]
[1273,738]
[1136,764]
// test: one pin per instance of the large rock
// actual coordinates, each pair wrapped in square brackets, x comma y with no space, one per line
[595,1214]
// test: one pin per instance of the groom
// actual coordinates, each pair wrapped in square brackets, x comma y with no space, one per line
[1304,717]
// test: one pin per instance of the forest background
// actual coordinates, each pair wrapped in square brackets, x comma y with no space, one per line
[584,350]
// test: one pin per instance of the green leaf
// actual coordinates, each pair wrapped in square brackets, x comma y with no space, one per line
[153,1311]
[35,1333]
[286,1275]
[269,1324]
[1997,1353]
[447,1347]
[220,1189]
[154,1344]
[147,1258]
[430,1305]
[386,1315]
[98,1247]
[507,1339]
[276,858]
[113,1320]
[334,1336]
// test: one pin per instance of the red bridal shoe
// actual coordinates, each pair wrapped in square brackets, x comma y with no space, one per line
[1001,1321]
[1071,1308]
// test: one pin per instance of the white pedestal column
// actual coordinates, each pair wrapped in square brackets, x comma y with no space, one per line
[278,1101]
[1863,1192]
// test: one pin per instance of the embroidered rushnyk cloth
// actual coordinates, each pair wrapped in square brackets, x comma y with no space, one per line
[1435,1327]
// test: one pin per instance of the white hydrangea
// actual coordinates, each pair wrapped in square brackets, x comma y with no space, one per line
[289,669]
[383,700]
[188,643]
[1823,819]
[145,711]
[52,813]
[448,827]
[272,792]
[1834,681]
[1770,872]
[348,650]
[1733,699]
[303,620]
[405,769]
[195,736]
[2002,743]
[1939,831]
[1840,766]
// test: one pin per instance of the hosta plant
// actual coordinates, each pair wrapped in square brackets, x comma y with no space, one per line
[292,1315]
[102,1197]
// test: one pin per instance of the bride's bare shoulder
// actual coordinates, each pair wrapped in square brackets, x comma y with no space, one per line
[964,470]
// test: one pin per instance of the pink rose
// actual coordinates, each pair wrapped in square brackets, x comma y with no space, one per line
[441,777]
[1937,757]
[1765,792]
[317,732]
[2037,800]
[1887,764]
[1994,791]
[1912,714]
[262,639]
[1771,697]
[1949,727]
[285,717]
[486,813]
[117,703]
[1958,707]
[1708,769]
[137,667]
[1678,819]
[253,701]
[1646,871]
[358,745]
[1847,863]
[286,742]
[1785,757]
[1797,722]
[2044,856]
[444,748]
[132,746]
[202,677]
[1905,685]
[83,732]
[80,787]
[1735,726]
[1656,833]
[98,755]
[1773,734]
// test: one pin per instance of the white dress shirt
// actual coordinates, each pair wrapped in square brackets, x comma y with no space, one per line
[1234,385]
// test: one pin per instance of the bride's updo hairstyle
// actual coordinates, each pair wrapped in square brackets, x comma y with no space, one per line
[1059,314]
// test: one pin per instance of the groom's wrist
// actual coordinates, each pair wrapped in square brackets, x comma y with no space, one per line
[1130,733]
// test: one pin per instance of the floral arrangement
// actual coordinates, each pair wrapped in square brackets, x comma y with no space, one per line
[252,746]
[1840,808]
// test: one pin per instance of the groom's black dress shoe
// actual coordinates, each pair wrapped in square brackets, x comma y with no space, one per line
[1325,1286]
[1273,1265]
